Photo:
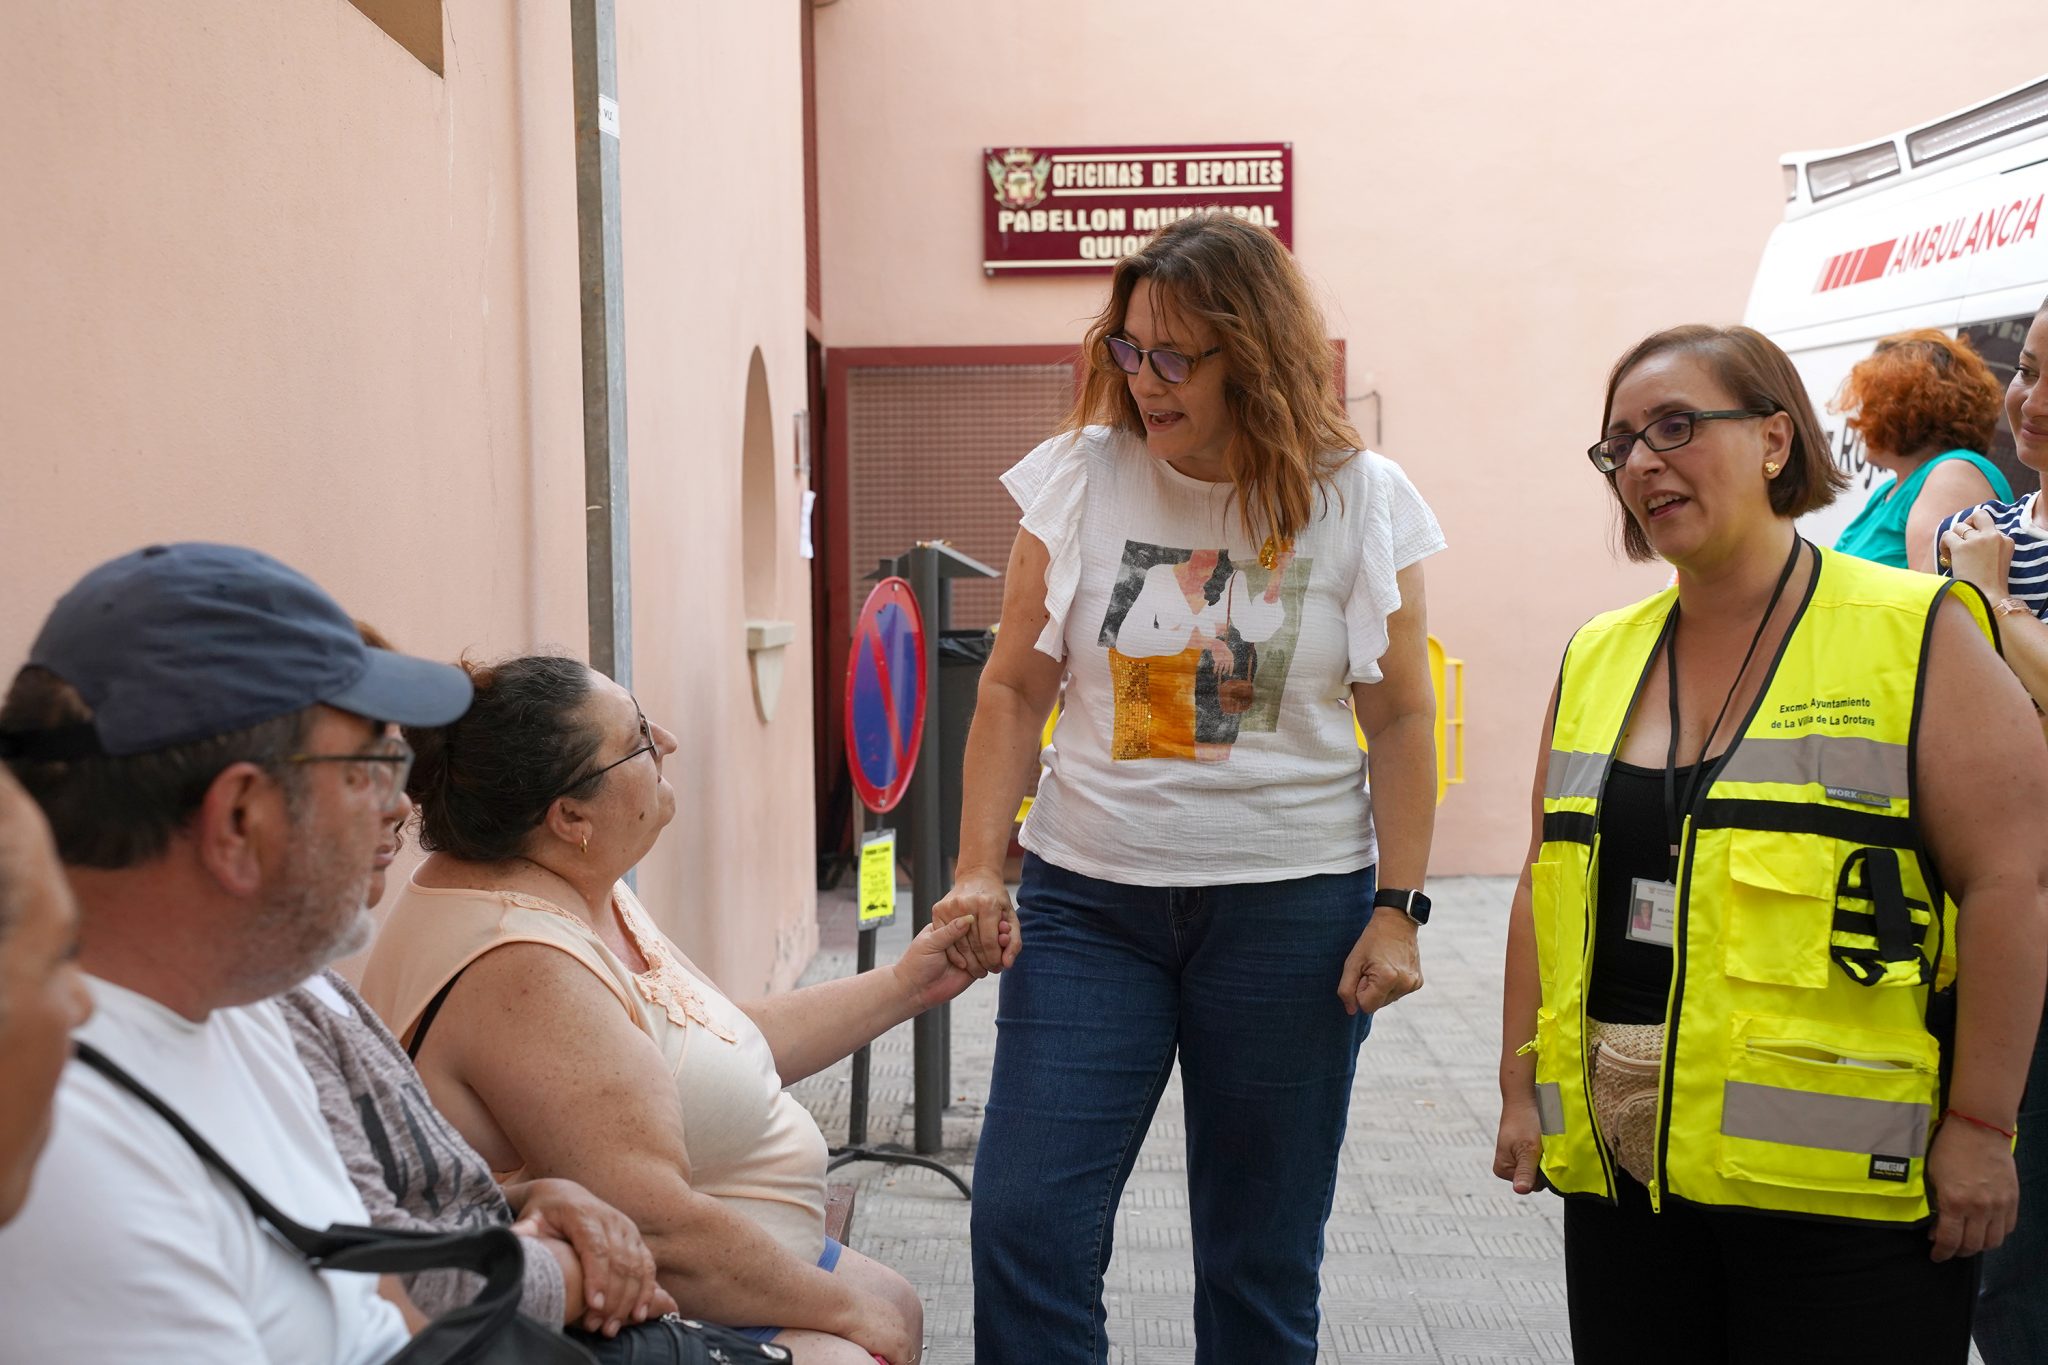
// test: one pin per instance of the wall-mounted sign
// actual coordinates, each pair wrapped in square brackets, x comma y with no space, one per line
[1074,210]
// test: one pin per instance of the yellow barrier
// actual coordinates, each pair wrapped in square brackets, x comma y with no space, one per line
[1445,673]
[1446,678]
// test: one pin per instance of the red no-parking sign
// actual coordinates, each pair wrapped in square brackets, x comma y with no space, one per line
[885,686]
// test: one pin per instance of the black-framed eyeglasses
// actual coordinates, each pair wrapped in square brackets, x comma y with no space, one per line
[647,746]
[1668,432]
[391,766]
[1171,366]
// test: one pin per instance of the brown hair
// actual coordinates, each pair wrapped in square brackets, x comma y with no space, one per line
[1922,389]
[1757,375]
[485,781]
[1292,432]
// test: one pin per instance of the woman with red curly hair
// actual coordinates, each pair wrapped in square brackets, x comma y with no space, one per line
[1925,406]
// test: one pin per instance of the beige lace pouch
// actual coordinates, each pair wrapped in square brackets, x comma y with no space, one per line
[1626,1060]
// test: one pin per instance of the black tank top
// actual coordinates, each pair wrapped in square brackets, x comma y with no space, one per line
[1631,981]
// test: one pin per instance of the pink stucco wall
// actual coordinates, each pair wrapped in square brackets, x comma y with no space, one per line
[268,279]
[1495,200]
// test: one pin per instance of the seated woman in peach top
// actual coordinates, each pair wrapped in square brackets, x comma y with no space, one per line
[565,1035]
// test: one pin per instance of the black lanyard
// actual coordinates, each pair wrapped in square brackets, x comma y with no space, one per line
[1674,813]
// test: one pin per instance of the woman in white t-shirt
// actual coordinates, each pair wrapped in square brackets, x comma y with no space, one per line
[1221,579]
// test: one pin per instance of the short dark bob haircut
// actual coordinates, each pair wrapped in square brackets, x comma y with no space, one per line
[1756,375]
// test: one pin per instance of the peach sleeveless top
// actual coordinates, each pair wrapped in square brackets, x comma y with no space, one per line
[749,1144]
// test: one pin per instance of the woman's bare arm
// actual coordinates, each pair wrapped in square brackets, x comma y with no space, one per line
[1983,786]
[1519,1148]
[536,1041]
[1018,688]
[1948,488]
[1397,715]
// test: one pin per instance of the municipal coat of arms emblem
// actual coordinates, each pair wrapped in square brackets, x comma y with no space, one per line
[1019,176]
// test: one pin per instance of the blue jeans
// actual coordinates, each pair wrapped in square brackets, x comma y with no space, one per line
[2012,1306]
[1115,982]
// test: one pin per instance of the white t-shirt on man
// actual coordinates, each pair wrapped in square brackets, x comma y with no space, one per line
[1205,736]
[131,1250]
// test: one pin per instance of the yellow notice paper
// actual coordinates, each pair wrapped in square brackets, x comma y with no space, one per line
[878,879]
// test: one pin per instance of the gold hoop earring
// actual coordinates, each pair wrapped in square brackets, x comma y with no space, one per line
[586,843]
[1771,468]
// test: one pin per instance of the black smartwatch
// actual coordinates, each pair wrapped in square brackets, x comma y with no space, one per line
[1413,904]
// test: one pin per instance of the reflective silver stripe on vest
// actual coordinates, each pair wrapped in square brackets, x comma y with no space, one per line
[1848,762]
[1839,1123]
[1570,774]
[1550,1109]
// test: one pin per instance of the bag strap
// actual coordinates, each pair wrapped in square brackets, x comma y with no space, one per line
[460,1335]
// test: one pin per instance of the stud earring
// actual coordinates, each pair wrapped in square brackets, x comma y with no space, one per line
[1771,468]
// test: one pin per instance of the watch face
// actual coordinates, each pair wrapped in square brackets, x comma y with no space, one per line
[1413,904]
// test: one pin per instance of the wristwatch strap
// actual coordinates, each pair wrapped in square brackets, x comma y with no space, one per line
[1413,904]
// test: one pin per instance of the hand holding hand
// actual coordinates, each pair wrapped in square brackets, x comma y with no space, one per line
[1974,1188]
[1980,554]
[1384,965]
[996,939]
[617,1282]
[927,972]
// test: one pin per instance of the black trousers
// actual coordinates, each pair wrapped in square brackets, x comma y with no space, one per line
[1699,1285]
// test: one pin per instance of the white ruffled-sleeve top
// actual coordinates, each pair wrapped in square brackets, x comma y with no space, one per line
[1205,735]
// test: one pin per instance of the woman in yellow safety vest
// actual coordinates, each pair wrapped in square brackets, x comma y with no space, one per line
[1781,810]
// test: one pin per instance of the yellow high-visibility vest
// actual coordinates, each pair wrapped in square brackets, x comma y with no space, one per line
[1814,954]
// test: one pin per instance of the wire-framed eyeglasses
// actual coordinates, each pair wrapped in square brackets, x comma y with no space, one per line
[389,765]
[1171,366]
[647,746]
[1667,433]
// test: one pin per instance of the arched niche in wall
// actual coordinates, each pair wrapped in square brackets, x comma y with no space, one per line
[768,636]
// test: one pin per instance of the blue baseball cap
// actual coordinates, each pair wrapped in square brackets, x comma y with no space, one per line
[177,643]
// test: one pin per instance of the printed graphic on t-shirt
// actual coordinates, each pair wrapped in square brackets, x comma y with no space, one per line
[1199,649]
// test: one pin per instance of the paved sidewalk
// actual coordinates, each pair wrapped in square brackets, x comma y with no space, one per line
[1430,1259]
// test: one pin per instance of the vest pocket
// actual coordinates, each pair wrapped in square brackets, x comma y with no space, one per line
[1820,1106]
[1781,907]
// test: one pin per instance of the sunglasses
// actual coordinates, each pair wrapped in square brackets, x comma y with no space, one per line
[1171,366]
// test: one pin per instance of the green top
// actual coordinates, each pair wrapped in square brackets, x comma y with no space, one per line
[1879,530]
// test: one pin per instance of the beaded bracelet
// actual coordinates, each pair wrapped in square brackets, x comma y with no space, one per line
[2005,1133]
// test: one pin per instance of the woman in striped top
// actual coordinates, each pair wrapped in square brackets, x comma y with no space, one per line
[2002,547]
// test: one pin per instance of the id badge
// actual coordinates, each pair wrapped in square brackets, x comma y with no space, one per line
[1653,912]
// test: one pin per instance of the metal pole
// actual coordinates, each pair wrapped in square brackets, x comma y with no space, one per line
[928,1043]
[857,1100]
[863,961]
[608,567]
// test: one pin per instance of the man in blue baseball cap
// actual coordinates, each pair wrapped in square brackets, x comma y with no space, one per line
[217,754]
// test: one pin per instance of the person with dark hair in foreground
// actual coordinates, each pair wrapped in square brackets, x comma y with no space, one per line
[1769,1040]
[586,1263]
[211,744]
[564,1035]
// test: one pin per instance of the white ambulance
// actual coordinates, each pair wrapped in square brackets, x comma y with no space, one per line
[1941,225]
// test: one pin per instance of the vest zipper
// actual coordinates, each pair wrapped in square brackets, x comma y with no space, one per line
[1668,1074]
[1688,845]
[1585,978]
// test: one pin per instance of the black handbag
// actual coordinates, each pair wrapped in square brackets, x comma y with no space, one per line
[487,1331]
